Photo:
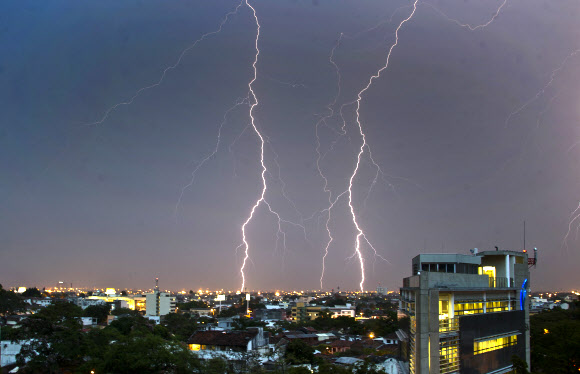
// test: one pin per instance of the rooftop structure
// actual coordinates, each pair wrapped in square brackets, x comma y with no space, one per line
[469,314]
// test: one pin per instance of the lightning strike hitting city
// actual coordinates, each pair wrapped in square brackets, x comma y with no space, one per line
[251,145]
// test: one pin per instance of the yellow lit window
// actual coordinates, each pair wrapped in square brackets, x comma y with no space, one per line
[194,347]
[468,307]
[449,355]
[487,345]
[497,306]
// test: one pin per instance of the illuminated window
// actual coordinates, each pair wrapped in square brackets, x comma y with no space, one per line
[412,355]
[194,347]
[468,307]
[493,343]
[449,355]
[497,305]
[490,271]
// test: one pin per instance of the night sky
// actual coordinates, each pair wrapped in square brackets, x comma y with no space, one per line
[475,131]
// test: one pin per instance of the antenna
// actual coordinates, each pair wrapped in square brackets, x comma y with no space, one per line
[524,235]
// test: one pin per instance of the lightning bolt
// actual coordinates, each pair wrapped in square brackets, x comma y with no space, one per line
[167,69]
[283,83]
[361,235]
[553,76]
[466,25]
[574,216]
[281,234]
[323,121]
[320,157]
[210,155]
[262,142]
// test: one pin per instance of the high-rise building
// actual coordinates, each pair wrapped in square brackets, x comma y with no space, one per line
[468,314]
[159,303]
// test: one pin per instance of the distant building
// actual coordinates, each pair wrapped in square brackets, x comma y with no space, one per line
[270,314]
[469,314]
[253,339]
[303,312]
[159,303]
[382,290]
[133,302]
[9,350]
[39,301]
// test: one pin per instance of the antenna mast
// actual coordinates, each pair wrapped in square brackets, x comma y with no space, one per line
[524,235]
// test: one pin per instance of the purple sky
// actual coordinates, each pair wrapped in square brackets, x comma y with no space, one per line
[98,204]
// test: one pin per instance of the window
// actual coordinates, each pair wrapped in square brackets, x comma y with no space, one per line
[494,343]
[468,307]
[496,306]
[449,355]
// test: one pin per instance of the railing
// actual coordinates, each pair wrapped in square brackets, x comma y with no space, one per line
[449,325]
[500,282]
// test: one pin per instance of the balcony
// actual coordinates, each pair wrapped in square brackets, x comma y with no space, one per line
[500,282]
[448,325]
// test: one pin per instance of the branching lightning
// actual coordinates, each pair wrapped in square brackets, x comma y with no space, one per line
[319,156]
[574,216]
[361,235]
[171,67]
[363,153]
[210,155]
[264,169]
[553,76]
[281,235]
[466,25]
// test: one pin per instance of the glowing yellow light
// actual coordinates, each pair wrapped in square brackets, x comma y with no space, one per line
[546,331]
[371,335]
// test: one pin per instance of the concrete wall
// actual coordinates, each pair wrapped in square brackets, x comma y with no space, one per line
[453,280]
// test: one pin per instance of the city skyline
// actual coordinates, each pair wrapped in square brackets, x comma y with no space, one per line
[137,140]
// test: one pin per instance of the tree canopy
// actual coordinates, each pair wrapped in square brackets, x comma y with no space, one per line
[10,302]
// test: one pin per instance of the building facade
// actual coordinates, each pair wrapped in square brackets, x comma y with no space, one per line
[159,303]
[303,312]
[468,314]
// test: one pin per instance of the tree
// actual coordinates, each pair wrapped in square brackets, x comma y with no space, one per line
[182,326]
[555,341]
[10,302]
[299,370]
[55,339]
[326,368]
[216,365]
[125,311]
[243,323]
[149,354]
[299,352]
[60,311]
[132,324]
[100,312]
[193,304]
[520,366]
[32,292]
